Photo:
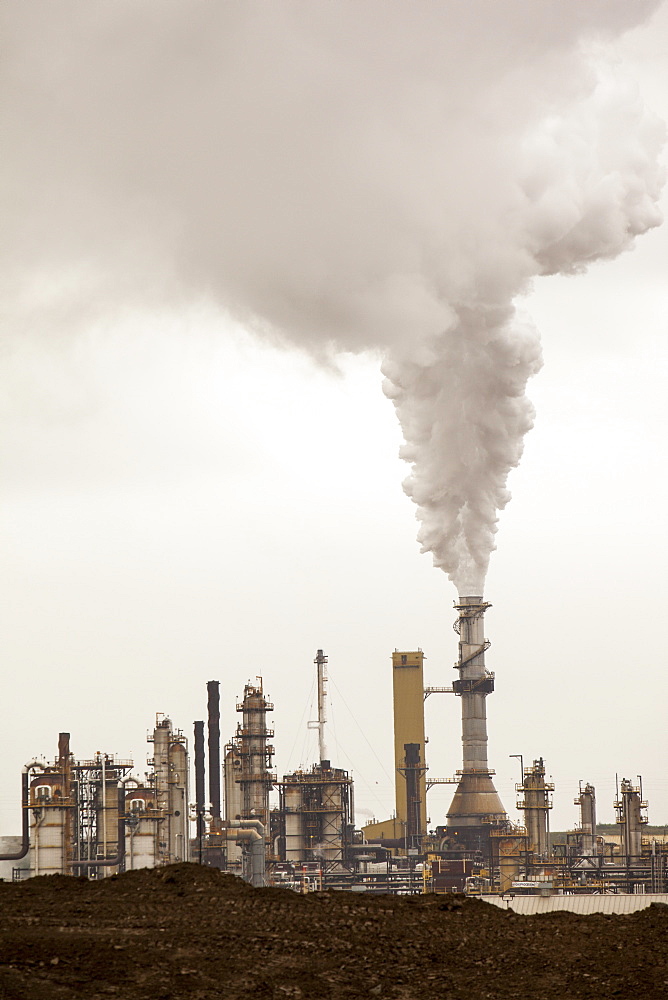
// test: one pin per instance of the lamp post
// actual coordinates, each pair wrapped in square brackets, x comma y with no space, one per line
[518,756]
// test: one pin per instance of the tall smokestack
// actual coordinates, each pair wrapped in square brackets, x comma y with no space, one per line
[213,690]
[413,770]
[199,784]
[63,748]
[199,767]
[476,805]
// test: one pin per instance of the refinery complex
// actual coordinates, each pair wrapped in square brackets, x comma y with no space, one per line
[95,818]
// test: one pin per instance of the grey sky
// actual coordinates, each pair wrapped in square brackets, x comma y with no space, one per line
[182,501]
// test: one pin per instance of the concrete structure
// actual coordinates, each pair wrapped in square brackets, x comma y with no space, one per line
[408,701]
[476,806]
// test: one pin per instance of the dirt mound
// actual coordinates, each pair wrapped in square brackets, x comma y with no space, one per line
[193,932]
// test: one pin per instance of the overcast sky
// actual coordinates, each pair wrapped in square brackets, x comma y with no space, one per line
[200,471]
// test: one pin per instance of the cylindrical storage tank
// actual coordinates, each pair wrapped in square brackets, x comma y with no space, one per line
[632,821]
[141,829]
[179,846]
[587,803]
[510,850]
[12,845]
[107,822]
[232,772]
[294,833]
[162,774]
[161,739]
[47,828]
[535,809]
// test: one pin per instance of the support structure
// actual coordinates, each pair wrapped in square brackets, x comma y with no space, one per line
[476,806]
[316,807]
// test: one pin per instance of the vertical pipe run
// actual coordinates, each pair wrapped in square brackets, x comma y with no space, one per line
[213,690]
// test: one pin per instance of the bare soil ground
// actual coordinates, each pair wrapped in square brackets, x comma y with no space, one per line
[194,933]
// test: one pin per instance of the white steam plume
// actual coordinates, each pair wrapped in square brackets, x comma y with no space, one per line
[350,175]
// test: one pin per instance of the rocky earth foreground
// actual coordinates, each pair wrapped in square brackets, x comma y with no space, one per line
[192,932]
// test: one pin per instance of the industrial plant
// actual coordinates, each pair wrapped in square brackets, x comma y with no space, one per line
[94,818]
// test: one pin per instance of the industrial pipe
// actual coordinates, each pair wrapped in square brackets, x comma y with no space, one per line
[120,853]
[25,818]
[252,831]
[393,842]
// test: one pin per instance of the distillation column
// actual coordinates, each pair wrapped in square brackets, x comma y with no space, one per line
[476,806]
[536,804]
[587,802]
[255,753]
[631,820]
[170,787]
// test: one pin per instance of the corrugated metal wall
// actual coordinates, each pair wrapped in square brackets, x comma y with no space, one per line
[620,903]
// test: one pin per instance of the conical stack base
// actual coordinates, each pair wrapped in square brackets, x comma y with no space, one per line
[475,808]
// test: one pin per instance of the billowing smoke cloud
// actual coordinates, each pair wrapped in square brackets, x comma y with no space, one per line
[341,176]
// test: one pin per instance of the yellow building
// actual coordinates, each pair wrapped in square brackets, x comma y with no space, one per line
[408,697]
[408,693]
